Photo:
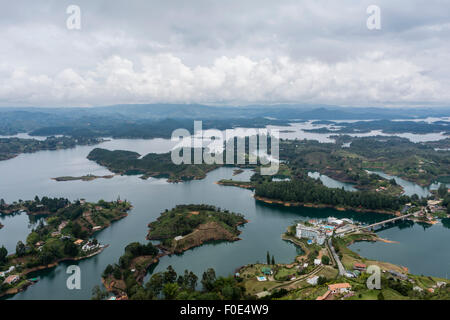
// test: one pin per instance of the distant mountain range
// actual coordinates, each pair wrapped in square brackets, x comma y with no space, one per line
[63,120]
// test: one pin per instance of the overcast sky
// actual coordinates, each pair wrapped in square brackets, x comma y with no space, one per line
[224,52]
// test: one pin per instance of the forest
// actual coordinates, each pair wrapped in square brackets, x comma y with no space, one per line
[308,190]
[153,164]
[183,219]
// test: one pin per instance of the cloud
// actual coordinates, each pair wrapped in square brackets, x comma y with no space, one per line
[224,52]
[373,78]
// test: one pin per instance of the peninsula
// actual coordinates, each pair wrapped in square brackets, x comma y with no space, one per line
[64,236]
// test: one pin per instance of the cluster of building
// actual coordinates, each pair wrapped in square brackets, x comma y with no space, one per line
[3,274]
[90,246]
[435,205]
[8,277]
[317,231]
[12,279]
[336,288]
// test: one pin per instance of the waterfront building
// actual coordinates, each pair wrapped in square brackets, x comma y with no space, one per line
[339,287]
[310,233]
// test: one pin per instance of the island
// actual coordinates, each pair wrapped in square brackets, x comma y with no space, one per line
[188,226]
[12,147]
[66,235]
[151,165]
[88,177]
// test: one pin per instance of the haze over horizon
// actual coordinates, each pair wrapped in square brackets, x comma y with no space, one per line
[224,53]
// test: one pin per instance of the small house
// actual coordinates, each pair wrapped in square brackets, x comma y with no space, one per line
[12,279]
[359,266]
[266,271]
[339,287]
[78,242]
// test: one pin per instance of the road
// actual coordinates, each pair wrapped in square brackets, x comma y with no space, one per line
[341,268]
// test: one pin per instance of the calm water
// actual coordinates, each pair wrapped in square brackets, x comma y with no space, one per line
[29,174]
[331,183]
[423,249]
[296,131]
[410,188]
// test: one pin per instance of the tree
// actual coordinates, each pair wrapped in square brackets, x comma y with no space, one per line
[273,260]
[325,259]
[20,249]
[192,281]
[3,254]
[108,271]
[268,257]
[70,248]
[117,273]
[99,294]
[170,290]
[208,278]
[170,276]
[322,280]
[442,191]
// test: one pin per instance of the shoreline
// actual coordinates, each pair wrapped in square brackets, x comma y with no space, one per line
[14,291]
[171,251]
[312,205]
[82,178]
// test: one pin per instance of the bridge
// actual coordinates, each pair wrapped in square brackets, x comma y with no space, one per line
[381,223]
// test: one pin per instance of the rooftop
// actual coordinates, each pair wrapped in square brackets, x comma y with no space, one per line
[339,286]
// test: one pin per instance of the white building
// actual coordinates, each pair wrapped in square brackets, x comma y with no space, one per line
[313,280]
[339,288]
[334,221]
[310,233]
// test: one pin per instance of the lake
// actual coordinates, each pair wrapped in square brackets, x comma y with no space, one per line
[30,174]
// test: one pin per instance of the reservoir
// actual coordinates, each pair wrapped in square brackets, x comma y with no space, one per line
[29,175]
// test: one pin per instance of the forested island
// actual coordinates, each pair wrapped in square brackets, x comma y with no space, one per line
[65,235]
[88,177]
[12,147]
[151,165]
[188,226]
[307,191]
